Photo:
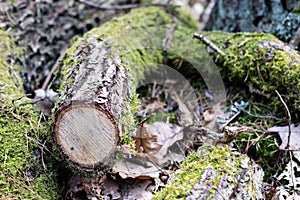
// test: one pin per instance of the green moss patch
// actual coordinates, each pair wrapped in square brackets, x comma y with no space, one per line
[262,63]
[191,170]
[22,134]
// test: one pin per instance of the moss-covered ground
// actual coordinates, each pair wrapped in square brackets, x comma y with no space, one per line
[25,172]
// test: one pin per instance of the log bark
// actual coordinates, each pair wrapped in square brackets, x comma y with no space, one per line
[233,176]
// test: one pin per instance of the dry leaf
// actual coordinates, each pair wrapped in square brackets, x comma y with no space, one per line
[140,189]
[136,167]
[79,187]
[283,132]
[210,116]
[155,139]
[109,188]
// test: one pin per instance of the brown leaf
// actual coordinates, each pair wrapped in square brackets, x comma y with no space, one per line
[136,167]
[140,189]
[155,139]
[159,136]
[210,116]
[283,132]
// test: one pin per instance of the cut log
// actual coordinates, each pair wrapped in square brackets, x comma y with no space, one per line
[87,133]
[100,76]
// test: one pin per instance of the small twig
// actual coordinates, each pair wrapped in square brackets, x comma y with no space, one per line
[32,102]
[289,119]
[262,116]
[42,157]
[230,120]
[218,191]
[209,43]
[123,7]
[57,63]
[243,42]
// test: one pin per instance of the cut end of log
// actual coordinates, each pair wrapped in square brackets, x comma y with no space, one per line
[86,134]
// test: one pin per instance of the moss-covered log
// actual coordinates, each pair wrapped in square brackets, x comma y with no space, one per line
[101,70]
[23,165]
[100,74]
[215,173]
[262,64]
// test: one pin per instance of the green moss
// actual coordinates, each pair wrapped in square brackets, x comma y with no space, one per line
[127,119]
[260,67]
[21,174]
[190,172]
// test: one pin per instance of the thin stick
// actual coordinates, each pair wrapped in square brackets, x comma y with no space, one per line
[289,119]
[57,63]
[209,43]
[123,7]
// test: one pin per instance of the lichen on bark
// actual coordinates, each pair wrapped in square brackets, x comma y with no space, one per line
[21,137]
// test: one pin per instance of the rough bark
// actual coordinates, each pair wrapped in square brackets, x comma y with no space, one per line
[215,173]
[99,79]
[263,64]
